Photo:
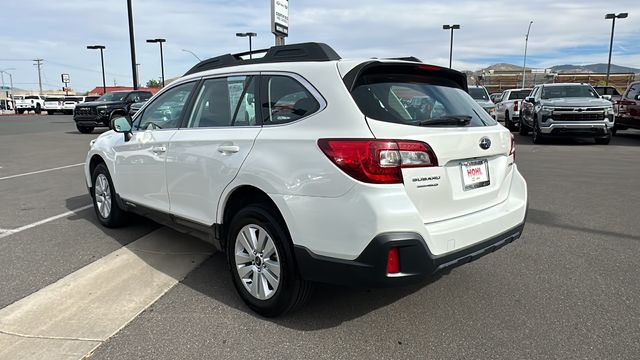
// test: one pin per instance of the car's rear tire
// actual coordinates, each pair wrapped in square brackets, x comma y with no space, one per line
[605,140]
[85,129]
[38,109]
[104,198]
[21,112]
[262,263]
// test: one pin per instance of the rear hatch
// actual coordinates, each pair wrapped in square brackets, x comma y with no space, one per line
[473,152]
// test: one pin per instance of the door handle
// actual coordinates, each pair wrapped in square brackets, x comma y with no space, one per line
[159,149]
[225,149]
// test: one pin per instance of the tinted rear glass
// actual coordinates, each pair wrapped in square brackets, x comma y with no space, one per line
[114,96]
[410,99]
[569,91]
[520,94]
[76,99]
[52,99]
[478,93]
[607,90]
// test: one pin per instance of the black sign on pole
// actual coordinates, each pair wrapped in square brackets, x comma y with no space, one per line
[66,79]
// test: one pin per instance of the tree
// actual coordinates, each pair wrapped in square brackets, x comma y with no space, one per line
[153,84]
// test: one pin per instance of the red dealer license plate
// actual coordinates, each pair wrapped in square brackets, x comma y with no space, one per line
[475,174]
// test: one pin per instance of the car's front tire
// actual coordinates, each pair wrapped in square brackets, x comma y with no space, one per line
[85,129]
[536,134]
[104,200]
[605,140]
[262,264]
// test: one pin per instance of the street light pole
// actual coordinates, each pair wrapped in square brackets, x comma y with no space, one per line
[250,35]
[160,41]
[104,80]
[526,42]
[451,27]
[613,26]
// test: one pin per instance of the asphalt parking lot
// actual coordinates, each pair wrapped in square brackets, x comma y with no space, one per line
[568,289]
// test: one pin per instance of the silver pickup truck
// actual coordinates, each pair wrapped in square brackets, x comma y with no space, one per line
[509,105]
[574,110]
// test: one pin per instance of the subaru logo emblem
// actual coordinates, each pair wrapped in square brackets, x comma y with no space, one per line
[485,143]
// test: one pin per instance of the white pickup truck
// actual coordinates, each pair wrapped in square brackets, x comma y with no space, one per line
[28,103]
[508,107]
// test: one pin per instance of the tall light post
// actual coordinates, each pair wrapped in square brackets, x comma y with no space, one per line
[451,27]
[526,42]
[613,26]
[250,35]
[101,48]
[159,41]
[192,53]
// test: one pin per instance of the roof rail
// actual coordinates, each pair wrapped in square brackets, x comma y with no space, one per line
[310,51]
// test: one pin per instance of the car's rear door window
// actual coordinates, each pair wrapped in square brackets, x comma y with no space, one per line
[225,101]
[166,111]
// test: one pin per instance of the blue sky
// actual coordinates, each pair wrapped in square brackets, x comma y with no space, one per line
[58,31]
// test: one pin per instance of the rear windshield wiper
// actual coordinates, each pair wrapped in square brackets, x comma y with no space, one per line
[451,120]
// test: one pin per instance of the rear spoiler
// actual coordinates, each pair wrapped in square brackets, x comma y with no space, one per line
[351,78]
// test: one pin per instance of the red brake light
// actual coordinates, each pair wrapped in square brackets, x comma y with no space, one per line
[515,105]
[429,67]
[377,161]
[393,261]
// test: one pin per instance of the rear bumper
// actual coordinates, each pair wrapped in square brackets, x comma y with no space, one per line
[416,260]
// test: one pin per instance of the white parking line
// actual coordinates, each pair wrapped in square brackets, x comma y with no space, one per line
[7,232]
[71,317]
[39,171]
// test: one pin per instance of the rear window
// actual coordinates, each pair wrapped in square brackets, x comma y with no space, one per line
[52,99]
[519,95]
[412,99]
[33,97]
[478,93]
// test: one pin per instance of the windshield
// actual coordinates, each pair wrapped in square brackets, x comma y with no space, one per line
[113,96]
[411,100]
[569,91]
[520,94]
[478,93]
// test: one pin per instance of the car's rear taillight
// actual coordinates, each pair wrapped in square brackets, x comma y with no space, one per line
[515,105]
[377,161]
[512,148]
[393,261]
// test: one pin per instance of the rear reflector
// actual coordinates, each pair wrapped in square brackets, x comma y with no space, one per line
[393,261]
[377,161]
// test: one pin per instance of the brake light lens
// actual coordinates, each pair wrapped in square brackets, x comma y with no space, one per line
[393,261]
[515,105]
[377,161]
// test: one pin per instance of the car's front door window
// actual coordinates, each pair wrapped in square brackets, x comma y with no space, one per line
[166,111]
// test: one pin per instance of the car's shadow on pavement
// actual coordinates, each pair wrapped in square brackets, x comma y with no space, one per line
[328,306]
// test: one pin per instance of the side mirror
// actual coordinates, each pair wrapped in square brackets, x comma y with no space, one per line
[121,124]
[638,97]
[530,99]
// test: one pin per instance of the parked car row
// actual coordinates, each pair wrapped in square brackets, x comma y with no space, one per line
[569,109]
[64,104]
[99,113]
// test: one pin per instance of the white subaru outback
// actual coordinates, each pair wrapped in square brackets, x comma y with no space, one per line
[303,167]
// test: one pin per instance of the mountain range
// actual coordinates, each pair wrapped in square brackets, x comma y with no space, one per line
[593,68]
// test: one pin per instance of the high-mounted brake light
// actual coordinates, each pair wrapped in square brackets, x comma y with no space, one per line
[377,161]
[429,67]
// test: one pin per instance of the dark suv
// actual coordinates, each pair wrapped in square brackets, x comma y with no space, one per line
[89,115]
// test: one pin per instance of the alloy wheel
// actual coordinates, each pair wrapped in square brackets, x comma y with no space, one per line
[103,195]
[257,261]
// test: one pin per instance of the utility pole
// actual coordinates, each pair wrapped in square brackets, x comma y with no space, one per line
[613,27]
[524,66]
[133,46]
[39,64]
[451,27]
